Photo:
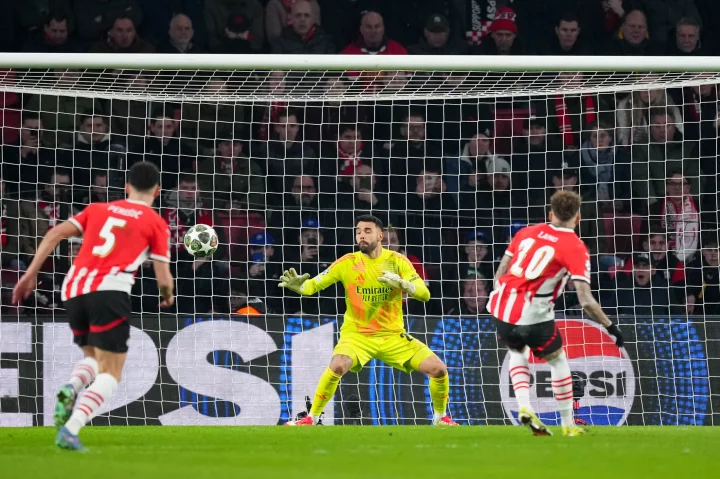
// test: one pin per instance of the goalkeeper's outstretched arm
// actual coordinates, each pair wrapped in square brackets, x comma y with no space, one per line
[300,284]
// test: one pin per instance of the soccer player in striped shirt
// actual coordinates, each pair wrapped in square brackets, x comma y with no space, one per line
[532,274]
[375,280]
[117,238]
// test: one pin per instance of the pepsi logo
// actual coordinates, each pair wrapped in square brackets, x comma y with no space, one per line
[608,372]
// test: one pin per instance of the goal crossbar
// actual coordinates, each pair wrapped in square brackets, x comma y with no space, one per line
[181,77]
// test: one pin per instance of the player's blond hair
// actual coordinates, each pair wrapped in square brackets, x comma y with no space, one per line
[565,205]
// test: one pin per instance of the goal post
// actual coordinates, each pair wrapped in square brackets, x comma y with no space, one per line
[280,153]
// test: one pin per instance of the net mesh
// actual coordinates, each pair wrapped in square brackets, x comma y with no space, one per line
[294,85]
[281,162]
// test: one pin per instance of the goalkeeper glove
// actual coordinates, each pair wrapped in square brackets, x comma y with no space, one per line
[292,281]
[395,281]
[615,331]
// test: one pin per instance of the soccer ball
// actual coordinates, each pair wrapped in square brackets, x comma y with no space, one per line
[201,241]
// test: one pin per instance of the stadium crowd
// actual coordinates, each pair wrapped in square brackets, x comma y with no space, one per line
[455,179]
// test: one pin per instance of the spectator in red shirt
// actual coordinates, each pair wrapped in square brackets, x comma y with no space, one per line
[372,39]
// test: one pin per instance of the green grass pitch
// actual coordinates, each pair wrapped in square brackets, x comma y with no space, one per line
[363,453]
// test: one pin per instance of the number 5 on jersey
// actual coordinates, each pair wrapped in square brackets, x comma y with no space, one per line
[540,259]
[106,233]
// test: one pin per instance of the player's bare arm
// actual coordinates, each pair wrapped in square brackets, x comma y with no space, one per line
[48,244]
[594,311]
[165,282]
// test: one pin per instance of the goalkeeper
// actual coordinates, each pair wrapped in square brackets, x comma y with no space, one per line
[374,279]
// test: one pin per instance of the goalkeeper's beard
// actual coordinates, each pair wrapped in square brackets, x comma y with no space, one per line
[367,248]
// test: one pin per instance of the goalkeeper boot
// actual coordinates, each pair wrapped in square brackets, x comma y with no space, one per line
[305,421]
[444,421]
[69,441]
[531,421]
[572,431]
[64,405]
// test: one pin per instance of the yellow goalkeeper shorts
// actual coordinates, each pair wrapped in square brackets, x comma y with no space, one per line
[400,350]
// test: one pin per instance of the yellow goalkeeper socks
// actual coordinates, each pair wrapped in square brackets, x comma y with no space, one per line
[439,390]
[325,391]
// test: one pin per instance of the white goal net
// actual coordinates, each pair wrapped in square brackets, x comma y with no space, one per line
[280,155]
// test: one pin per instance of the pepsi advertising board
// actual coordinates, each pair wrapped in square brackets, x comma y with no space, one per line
[258,370]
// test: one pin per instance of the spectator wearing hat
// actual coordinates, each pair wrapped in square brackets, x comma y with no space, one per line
[313,256]
[642,293]
[438,39]
[236,37]
[303,35]
[263,271]
[504,38]
[478,256]
[633,38]
[470,169]
[122,38]
[372,39]
[567,38]
[243,20]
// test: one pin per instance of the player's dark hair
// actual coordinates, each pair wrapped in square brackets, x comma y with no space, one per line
[565,205]
[144,176]
[369,219]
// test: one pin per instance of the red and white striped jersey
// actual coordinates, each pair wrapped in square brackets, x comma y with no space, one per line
[117,238]
[543,258]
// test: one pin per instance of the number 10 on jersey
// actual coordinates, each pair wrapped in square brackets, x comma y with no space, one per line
[539,260]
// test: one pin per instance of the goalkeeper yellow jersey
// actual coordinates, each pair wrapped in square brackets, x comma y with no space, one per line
[371,307]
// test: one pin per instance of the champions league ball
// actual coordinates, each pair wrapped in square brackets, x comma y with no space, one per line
[201,241]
